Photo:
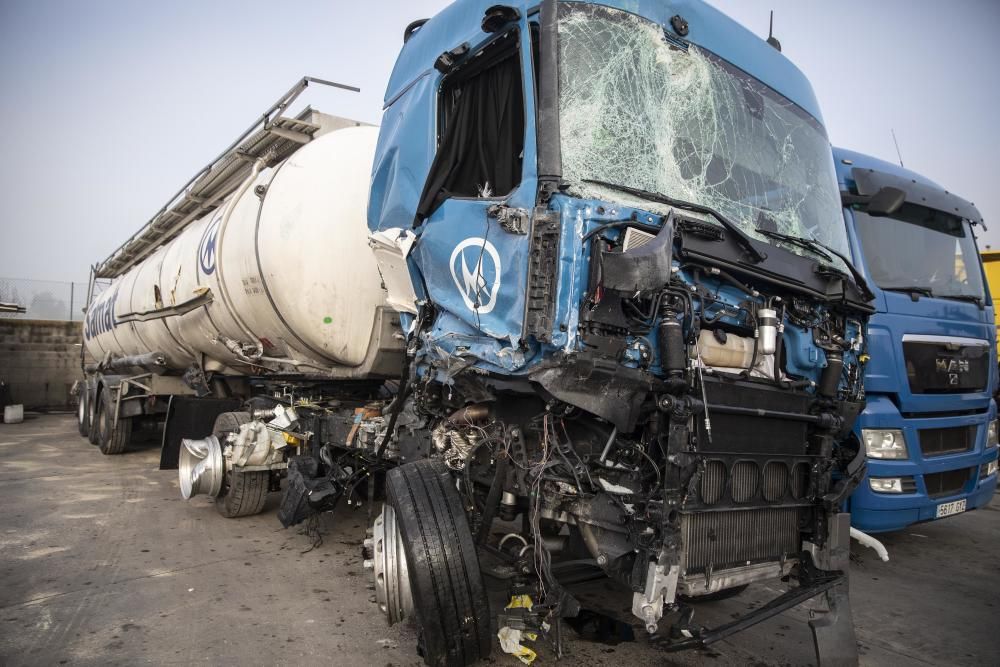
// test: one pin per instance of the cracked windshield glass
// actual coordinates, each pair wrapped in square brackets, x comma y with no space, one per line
[640,110]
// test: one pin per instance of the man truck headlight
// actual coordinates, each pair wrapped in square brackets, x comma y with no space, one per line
[991,468]
[886,484]
[884,443]
[991,434]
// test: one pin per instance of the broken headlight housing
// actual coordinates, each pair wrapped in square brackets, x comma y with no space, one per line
[887,443]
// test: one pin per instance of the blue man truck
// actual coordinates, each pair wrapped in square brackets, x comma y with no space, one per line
[929,427]
[612,299]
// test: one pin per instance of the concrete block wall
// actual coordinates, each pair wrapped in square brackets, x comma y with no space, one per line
[40,361]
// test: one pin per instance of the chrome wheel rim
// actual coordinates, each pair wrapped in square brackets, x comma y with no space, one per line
[392,577]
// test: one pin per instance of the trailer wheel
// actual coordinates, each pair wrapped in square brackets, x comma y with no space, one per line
[724,594]
[243,493]
[83,412]
[93,406]
[112,436]
[450,606]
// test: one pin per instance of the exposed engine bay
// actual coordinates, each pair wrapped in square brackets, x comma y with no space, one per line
[695,444]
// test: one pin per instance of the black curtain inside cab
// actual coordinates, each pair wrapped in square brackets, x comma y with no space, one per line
[482,130]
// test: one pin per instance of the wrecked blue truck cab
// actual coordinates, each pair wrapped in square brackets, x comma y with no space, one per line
[613,234]
[929,424]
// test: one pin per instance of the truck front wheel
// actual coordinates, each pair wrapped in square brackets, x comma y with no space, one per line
[112,435]
[443,586]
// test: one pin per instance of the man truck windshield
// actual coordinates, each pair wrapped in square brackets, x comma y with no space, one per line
[638,108]
[921,251]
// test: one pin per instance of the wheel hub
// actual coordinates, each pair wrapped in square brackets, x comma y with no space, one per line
[392,578]
[200,467]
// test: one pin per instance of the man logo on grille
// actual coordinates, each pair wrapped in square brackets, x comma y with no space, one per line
[206,250]
[475,268]
[952,367]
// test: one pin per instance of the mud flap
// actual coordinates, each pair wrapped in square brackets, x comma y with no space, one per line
[832,623]
[189,417]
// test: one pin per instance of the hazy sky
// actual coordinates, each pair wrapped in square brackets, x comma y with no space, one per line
[109,106]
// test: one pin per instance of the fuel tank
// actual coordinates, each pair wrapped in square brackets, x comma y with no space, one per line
[279,278]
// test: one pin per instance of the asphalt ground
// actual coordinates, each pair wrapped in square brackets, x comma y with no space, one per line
[102,562]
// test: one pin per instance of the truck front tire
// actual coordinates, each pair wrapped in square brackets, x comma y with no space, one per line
[451,608]
[112,436]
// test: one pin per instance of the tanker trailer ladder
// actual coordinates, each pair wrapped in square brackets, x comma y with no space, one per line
[272,135]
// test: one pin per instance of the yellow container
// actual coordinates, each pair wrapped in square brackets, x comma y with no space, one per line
[991,265]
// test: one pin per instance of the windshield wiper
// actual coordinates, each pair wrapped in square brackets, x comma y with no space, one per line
[808,244]
[912,290]
[963,297]
[822,250]
[745,242]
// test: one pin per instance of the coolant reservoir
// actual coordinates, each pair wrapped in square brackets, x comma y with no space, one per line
[726,350]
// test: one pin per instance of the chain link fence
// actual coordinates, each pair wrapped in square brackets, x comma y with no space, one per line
[29,299]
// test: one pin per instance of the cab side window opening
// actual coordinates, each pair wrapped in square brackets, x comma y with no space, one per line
[481,128]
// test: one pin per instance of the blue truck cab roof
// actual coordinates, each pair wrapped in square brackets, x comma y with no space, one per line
[846,160]
[709,28]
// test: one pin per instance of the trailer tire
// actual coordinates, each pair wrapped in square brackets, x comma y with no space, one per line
[450,605]
[724,594]
[93,407]
[112,437]
[83,412]
[243,493]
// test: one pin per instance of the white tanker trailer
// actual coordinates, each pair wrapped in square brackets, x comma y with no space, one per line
[275,280]
[278,278]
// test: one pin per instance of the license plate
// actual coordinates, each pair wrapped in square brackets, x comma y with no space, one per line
[947,509]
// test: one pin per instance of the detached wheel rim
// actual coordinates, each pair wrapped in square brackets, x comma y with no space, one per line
[392,577]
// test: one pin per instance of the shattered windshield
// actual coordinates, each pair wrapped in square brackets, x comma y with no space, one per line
[921,250]
[638,109]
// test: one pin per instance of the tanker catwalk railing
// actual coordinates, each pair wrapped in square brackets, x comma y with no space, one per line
[271,135]
[29,299]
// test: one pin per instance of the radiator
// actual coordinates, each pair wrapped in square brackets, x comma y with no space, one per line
[727,539]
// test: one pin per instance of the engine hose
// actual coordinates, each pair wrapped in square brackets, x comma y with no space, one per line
[395,408]
[830,380]
[868,541]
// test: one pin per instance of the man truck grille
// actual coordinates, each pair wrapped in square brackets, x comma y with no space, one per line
[723,540]
[947,483]
[938,441]
[946,368]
